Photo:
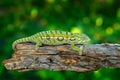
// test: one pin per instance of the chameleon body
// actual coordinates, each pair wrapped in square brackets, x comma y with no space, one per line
[55,37]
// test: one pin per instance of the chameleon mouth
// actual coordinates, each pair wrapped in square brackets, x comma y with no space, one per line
[85,38]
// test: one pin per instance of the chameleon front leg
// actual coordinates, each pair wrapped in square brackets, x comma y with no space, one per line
[76,48]
[38,44]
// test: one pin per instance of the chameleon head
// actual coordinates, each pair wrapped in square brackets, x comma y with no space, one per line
[80,38]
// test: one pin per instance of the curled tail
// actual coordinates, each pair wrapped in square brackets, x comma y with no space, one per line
[27,39]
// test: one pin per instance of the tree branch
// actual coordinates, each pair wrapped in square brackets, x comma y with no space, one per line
[62,57]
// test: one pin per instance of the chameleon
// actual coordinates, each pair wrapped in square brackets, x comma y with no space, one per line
[55,37]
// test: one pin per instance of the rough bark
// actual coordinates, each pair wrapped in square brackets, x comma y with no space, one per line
[62,57]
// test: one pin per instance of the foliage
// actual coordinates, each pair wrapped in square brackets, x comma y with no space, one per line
[99,19]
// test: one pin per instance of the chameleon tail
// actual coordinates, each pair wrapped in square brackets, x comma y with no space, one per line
[27,39]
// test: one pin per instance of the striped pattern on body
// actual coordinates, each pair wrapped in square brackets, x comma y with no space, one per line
[52,37]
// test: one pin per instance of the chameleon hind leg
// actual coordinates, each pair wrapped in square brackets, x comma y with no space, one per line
[38,44]
[77,48]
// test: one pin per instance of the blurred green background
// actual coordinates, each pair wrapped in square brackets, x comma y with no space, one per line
[99,19]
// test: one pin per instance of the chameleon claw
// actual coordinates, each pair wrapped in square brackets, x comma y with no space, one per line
[80,50]
[37,46]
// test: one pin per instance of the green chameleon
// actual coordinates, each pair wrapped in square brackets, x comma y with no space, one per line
[55,37]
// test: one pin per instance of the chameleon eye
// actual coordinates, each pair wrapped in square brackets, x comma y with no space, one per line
[72,39]
[60,38]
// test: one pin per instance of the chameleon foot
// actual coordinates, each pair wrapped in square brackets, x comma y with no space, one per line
[77,48]
[37,45]
[80,50]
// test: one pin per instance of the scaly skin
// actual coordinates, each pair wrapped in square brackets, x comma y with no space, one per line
[55,37]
